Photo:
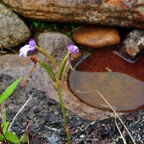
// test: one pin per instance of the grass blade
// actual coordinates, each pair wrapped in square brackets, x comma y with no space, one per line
[9,91]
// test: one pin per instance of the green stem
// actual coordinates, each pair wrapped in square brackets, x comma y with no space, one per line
[47,55]
[63,112]
[62,66]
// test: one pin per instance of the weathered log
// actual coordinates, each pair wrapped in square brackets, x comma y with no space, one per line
[127,13]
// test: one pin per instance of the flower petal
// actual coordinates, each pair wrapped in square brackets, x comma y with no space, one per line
[32,44]
[72,49]
[24,50]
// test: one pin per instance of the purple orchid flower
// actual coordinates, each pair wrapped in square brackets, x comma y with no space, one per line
[27,48]
[73,50]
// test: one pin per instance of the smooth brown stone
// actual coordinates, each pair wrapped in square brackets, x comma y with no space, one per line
[120,82]
[127,13]
[120,90]
[96,36]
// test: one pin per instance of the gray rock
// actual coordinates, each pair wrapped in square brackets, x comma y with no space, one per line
[13,31]
[133,44]
[128,13]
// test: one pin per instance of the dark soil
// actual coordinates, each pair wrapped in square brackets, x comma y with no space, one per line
[46,122]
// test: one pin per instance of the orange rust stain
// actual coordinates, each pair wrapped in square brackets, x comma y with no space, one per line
[118,3]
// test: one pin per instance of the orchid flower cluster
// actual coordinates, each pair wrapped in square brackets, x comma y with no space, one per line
[32,46]
[72,49]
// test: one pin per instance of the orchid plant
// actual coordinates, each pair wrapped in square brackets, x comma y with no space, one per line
[56,78]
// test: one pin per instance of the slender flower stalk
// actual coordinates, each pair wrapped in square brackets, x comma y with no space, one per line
[47,55]
[34,60]
[63,112]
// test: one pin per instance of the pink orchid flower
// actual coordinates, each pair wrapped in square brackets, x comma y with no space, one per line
[27,48]
[73,50]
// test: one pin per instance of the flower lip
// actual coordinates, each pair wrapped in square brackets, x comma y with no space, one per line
[24,50]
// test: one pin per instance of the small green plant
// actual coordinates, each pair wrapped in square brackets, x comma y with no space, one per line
[53,26]
[68,28]
[6,136]
[39,24]
[55,75]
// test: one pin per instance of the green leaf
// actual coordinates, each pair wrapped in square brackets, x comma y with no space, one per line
[5,126]
[68,33]
[1,137]
[5,123]
[43,25]
[51,59]
[9,91]
[24,138]
[48,69]
[4,115]
[36,24]
[11,137]
[62,66]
